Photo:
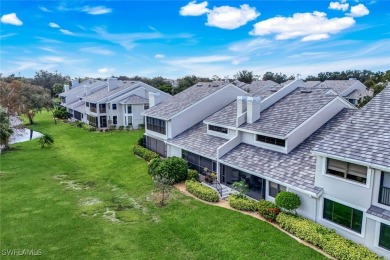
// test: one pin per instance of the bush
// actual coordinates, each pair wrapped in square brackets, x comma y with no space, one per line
[61,113]
[241,203]
[175,168]
[46,140]
[79,124]
[202,192]
[268,210]
[140,141]
[242,188]
[328,240]
[144,153]
[192,175]
[288,200]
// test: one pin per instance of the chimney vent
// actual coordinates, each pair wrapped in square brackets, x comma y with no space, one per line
[253,109]
[154,99]
[112,83]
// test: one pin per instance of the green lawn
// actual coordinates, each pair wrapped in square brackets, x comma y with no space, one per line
[62,200]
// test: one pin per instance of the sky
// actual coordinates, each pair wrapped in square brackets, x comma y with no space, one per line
[204,38]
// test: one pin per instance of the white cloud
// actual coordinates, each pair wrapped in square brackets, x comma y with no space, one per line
[251,45]
[11,19]
[3,36]
[310,26]
[97,50]
[54,25]
[227,17]
[52,59]
[97,10]
[203,59]
[194,9]
[44,9]
[159,56]
[338,6]
[105,70]
[67,32]
[359,11]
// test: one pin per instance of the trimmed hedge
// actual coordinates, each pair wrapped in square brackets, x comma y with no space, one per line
[144,153]
[328,240]
[268,210]
[192,175]
[201,191]
[241,203]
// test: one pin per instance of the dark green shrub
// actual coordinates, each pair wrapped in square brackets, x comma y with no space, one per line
[326,239]
[242,188]
[79,124]
[61,113]
[268,210]
[176,168]
[154,165]
[202,192]
[242,203]
[192,175]
[288,200]
[144,153]
[140,141]
[121,127]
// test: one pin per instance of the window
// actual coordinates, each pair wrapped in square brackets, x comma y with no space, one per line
[275,188]
[113,106]
[156,146]
[218,129]
[384,189]
[155,125]
[198,163]
[270,140]
[129,110]
[92,107]
[146,106]
[129,120]
[347,170]
[114,120]
[384,236]
[352,101]
[92,120]
[87,104]
[102,108]
[63,99]
[343,215]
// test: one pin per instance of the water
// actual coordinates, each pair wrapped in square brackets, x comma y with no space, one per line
[21,134]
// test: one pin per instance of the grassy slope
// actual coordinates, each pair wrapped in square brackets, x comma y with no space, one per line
[39,212]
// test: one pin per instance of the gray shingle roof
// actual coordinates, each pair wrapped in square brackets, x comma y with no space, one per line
[296,168]
[337,85]
[280,118]
[89,82]
[312,83]
[379,212]
[262,88]
[357,94]
[184,99]
[365,136]
[104,93]
[196,140]
[134,99]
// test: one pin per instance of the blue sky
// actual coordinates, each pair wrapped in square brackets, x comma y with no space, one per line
[203,38]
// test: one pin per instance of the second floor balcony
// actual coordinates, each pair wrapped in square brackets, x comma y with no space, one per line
[384,189]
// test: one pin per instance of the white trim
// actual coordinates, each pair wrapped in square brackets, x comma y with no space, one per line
[224,126]
[260,133]
[363,210]
[191,151]
[377,236]
[370,165]
[310,194]
[378,219]
[272,147]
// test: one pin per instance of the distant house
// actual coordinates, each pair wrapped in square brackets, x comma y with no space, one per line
[110,103]
[352,90]
[304,139]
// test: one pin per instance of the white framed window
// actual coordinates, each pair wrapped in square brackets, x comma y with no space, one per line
[347,170]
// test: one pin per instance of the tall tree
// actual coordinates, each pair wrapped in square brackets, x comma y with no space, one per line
[188,81]
[245,76]
[33,99]
[10,96]
[277,77]
[58,88]
[48,79]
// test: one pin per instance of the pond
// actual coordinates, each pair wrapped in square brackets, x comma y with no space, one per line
[21,134]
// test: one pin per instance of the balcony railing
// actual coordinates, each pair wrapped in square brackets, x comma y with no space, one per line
[93,109]
[384,195]
[102,110]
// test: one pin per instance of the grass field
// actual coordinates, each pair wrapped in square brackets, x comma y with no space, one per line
[89,197]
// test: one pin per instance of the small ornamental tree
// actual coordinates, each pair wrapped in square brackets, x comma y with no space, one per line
[288,200]
[46,140]
[241,187]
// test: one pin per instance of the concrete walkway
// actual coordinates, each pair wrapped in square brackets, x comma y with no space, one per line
[225,204]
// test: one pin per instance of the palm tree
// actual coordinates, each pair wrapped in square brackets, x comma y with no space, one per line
[46,140]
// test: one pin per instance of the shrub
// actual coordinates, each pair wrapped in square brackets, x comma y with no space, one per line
[326,239]
[175,168]
[79,124]
[192,175]
[153,166]
[241,187]
[144,153]
[288,200]
[45,140]
[201,191]
[121,127]
[268,210]
[61,113]
[140,141]
[242,203]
